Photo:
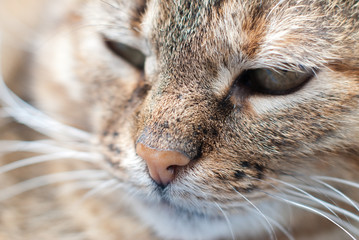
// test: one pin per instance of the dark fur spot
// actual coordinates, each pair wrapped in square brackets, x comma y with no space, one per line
[114,148]
[112,164]
[199,152]
[245,164]
[214,132]
[218,4]
[165,124]
[118,151]
[239,174]
[219,176]
[111,147]
[260,168]
[260,175]
[249,189]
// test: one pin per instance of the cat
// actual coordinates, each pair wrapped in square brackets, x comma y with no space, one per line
[213,119]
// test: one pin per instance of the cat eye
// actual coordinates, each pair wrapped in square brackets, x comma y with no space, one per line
[132,55]
[275,82]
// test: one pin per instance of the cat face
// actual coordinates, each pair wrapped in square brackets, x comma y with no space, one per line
[200,105]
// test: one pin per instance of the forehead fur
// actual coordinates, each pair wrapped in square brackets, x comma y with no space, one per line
[283,33]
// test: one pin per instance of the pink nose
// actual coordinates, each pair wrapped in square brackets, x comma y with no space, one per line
[161,164]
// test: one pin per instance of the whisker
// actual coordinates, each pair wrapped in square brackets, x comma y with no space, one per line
[73,187]
[109,4]
[329,194]
[99,188]
[305,193]
[335,193]
[45,180]
[28,115]
[86,157]
[316,211]
[301,200]
[81,185]
[338,180]
[227,220]
[114,188]
[330,206]
[271,231]
[40,146]
[277,225]
[33,118]
[274,187]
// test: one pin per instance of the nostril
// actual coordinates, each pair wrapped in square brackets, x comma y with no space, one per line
[162,164]
[171,168]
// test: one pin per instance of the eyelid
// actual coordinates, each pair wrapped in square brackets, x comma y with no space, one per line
[128,53]
[274,81]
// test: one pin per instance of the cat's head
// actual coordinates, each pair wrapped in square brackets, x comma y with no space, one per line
[199,105]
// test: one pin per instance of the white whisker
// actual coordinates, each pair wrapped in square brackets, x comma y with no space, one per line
[81,185]
[277,225]
[33,118]
[111,5]
[28,115]
[40,146]
[328,194]
[87,157]
[99,188]
[305,193]
[338,180]
[329,206]
[274,187]
[308,203]
[45,180]
[316,211]
[271,230]
[335,193]
[227,220]
[114,188]
[73,187]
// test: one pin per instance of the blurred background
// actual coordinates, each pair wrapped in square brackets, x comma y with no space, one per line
[19,21]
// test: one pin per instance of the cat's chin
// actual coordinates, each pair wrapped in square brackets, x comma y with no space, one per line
[170,221]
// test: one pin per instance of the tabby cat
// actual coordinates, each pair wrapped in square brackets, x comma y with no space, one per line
[212,119]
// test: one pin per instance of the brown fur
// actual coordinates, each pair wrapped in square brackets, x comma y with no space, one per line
[238,142]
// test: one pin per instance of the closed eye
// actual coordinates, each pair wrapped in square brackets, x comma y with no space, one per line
[274,82]
[132,55]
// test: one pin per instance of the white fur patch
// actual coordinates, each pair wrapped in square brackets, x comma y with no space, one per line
[223,82]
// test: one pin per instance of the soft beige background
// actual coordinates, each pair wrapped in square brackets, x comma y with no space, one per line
[19,20]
